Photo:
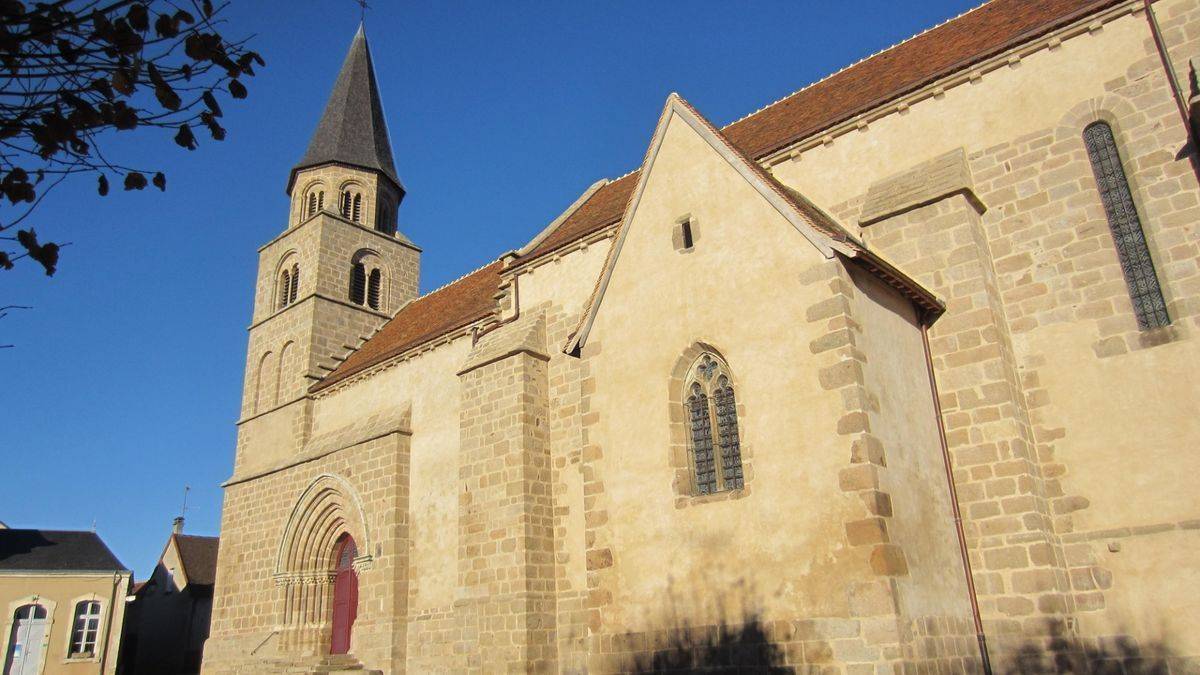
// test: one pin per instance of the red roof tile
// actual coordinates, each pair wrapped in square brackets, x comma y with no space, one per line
[430,316]
[948,48]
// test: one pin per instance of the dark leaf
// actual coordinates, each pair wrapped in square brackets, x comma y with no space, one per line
[135,181]
[4,261]
[103,187]
[186,69]
[69,53]
[165,26]
[185,138]
[183,17]
[124,81]
[138,17]
[101,85]
[237,89]
[124,117]
[218,133]
[211,102]
[160,181]
[46,254]
[207,7]
[163,91]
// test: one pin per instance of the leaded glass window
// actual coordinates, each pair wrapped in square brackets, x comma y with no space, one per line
[1148,304]
[714,442]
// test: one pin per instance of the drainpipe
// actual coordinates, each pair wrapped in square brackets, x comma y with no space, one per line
[1181,99]
[958,526]
[112,609]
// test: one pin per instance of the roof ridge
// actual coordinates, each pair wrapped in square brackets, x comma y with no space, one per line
[450,283]
[843,69]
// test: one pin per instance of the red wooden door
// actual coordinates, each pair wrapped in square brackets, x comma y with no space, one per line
[345,596]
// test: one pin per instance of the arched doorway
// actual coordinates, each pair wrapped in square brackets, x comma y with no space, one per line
[345,595]
[25,643]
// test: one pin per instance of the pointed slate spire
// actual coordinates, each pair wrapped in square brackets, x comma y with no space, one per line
[352,128]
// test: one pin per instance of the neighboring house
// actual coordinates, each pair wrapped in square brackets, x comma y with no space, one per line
[898,367]
[63,597]
[169,613]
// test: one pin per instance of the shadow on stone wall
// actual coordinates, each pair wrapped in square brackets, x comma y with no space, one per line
[727,648]
[1103,656]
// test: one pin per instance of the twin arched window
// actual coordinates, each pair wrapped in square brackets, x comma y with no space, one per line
[366,281]
[85,628]
[351,205]
[314,203]
[289,285]
[711,413]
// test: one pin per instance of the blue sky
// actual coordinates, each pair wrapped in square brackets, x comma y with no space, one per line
[125,380]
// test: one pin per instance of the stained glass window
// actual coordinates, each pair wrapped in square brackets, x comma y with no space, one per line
[702,441]
[1148,304]
[711,407]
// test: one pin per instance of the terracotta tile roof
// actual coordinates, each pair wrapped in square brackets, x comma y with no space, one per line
[981,33]
[950,47]
[198,555]
[430,316]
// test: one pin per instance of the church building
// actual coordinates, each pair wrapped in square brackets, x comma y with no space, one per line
[897,374]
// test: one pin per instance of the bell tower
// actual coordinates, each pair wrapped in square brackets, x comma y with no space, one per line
[340,268]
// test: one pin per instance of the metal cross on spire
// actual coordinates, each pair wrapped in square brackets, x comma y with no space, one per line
[363,7]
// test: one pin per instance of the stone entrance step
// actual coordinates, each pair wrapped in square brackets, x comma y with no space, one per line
[330,665]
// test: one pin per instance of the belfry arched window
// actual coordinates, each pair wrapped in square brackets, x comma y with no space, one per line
[1148,304]
[710,409]
[351,205]
[314,203]
[289,285]
[366,280]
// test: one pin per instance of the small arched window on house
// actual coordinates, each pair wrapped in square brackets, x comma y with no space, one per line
[315,202]
[366,280]
[714,444]
[1136,264]
[85,629]
[351,204]
[289,285]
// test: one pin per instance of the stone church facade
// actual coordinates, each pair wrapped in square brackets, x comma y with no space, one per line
[892,375]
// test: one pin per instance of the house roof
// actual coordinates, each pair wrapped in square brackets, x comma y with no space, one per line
[943,50]
[55,551]
[443,311]
[352,129]
[198,555]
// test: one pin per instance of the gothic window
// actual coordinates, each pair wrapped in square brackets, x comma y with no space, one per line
[1148,304]
[373,281]
[711,411]
[358,283]
[85,629]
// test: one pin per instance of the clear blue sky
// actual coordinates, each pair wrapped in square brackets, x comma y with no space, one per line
[125,382]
